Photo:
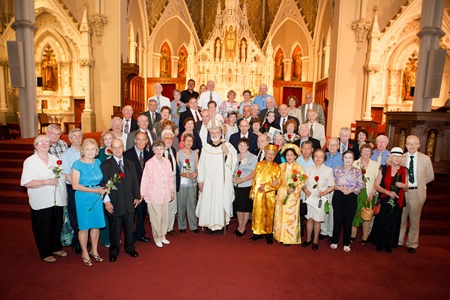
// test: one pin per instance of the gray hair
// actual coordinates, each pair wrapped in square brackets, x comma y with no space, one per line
[116,119]
[75,130]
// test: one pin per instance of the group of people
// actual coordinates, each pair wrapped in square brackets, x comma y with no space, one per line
[202,161]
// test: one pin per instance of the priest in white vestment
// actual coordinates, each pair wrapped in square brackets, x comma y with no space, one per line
[215,182]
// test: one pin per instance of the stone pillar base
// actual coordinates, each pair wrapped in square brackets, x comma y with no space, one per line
[88,122]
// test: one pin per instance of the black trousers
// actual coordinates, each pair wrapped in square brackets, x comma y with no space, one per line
[141,212]
[47,224]
[344,209]
[116,223]
[72,211]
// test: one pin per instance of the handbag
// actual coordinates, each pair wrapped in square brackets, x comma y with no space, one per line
[367,212]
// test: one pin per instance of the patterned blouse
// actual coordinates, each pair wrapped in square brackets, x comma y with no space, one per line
[349,178]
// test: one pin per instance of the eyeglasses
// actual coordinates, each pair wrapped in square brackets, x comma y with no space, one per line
[44,142]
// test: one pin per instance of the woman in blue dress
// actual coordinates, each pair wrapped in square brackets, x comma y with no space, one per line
[86,178]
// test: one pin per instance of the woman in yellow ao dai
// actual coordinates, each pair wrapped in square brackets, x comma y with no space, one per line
[286,227]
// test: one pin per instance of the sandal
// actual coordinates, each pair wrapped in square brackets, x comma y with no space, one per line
[87,262]
[97,258]
[61,253]
[49,259]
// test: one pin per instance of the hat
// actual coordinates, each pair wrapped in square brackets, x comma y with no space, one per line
[396,151]
[271,147]
[293,147]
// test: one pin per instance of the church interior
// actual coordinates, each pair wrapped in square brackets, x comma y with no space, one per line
[358,57]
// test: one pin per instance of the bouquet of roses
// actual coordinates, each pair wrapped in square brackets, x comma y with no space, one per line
[294,180]
[110,185]
[57,171]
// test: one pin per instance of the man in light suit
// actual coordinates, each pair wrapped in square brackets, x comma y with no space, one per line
[420,173]
[317,131]
[129,124]
[139,156]
[310,105]
[122,201]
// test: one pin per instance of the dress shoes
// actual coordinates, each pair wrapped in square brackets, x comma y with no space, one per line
[196,231]
[269,239]
[241,234]
[112,258]
[144,239]
[173,233]
[182,230]
[255,237]
[315,246]
[220,231]
[236,232]
[306,244]
[411,250]
[379,249]
[133,253]
[388,250]
[165,242]
[208,231]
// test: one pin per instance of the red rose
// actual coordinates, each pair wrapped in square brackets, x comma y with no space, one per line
[109,151]
[316,178]
[121,175]
[266,125]
[295,179]
[59,162]
[363,171]
[278,146]
[239,172]
[239,106]
[187,160]
[289,136]
[178,104]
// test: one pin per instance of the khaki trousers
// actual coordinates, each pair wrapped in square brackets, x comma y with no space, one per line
[413,210]
[159,216]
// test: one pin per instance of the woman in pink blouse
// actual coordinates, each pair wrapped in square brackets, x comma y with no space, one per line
[157,190]
[349,183]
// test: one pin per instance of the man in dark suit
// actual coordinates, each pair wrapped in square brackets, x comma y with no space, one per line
[345,143]
[263,141]
[143,127]
[139,156]
[244,133]
[188,93]
[282,119]
[167,137]
[191,111]
[247,115]
[270,103]
[303,131]
[129,124]
[152,115]
[122,201]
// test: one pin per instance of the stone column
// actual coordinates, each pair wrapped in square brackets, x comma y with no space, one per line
[430,33]
[287,76]
[86,64]
[3,90]
[24,27]
[174,71]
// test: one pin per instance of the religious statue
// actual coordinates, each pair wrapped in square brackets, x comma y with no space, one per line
[402,138]
[409,78]
[243,50]
[431,144]
[218,47]
[49,71]
[230,42]
[165,62]
[279,67]
[182,63]
[297,66]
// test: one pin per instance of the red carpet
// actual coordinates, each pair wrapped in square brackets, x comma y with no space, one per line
[224,267]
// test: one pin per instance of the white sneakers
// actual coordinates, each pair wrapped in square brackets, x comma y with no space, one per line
[159,244]
[166,242]
[333,246]
[347,248]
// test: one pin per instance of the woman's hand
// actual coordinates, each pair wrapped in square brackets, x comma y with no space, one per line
[275,182]
[261,188]
[401,185]
[290,191]
[307,193]
[101,191]
[200,186]
[392,194]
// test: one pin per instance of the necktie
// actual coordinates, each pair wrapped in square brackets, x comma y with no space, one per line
[141,159]
[157,101]
[311,131]
[152,118]
[121,165]
[380,156]
[282,125]
[127,127]
[260,155]
[306,111]
[411,169]
[210,96]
